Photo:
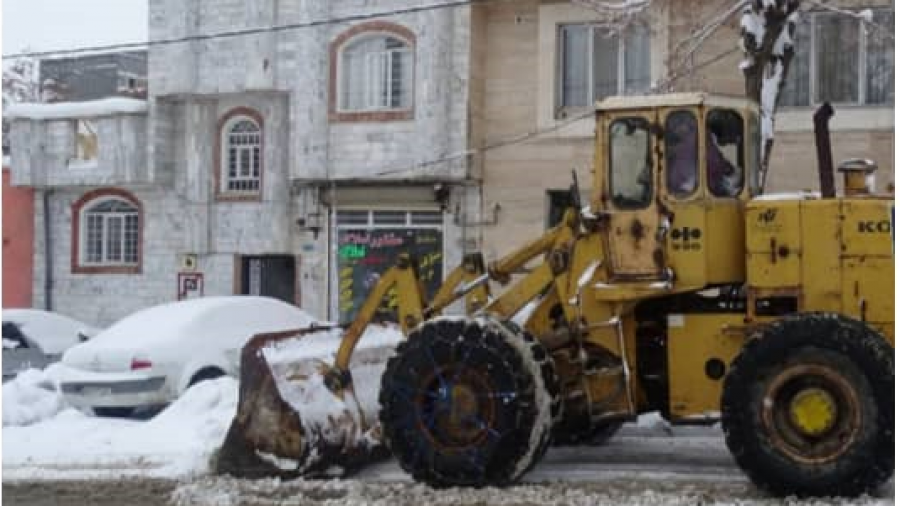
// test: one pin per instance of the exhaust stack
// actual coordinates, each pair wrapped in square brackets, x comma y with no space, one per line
[823,150]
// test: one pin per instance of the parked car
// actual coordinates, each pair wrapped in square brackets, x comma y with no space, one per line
[151,357]
[36,338]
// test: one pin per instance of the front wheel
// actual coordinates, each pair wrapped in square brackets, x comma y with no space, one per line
[468,402]
[808,408]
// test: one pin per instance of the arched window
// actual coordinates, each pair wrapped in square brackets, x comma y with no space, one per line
[372,73]
[241,157]
[376,74]
[107,232]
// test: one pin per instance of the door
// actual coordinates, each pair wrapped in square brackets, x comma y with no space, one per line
[634,238]
[270,276]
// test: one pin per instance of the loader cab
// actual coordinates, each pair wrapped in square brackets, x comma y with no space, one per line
[673,172]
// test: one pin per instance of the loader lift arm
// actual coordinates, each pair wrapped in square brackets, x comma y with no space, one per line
[469,280]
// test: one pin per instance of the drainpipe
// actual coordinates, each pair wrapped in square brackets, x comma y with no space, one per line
[48,253]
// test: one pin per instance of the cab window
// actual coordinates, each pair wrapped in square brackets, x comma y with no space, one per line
[681,153]
[724,152]
[630,180]
[753,154]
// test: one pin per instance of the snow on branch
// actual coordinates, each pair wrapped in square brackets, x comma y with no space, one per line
[767,38]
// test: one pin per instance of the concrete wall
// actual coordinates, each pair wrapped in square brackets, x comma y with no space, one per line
[104,298]
[298,61]
[44,152]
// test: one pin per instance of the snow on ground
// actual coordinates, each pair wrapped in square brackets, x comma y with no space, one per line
[31,396]
[649,462]
[177,442]
[612,491]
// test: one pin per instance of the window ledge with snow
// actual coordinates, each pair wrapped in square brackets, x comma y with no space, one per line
[68,110]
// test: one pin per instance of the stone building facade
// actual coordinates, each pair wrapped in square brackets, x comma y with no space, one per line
[290,163]
[297,162]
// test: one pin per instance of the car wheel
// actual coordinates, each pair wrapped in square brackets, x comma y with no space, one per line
[117,412]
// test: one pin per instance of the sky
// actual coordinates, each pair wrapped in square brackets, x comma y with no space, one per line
[46,25]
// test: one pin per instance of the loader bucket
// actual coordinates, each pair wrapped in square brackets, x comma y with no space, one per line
[288,424]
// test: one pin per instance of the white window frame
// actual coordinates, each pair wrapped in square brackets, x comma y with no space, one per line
[254,182]
[620,63]
[862,63]
[108,217]
[370,92]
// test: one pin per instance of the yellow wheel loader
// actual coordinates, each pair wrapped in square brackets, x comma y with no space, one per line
[677,289]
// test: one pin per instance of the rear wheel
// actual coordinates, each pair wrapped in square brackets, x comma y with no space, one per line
[467,402]
[807,409]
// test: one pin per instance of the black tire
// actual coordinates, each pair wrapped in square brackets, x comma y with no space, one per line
[469,403]
[114,412]
[808,407]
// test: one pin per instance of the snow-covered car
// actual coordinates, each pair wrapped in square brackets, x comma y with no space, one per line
[33,338]
[151,357]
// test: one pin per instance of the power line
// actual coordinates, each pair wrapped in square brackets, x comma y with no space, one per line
[249,31]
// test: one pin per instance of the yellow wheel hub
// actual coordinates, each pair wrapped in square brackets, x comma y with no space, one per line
[813,411]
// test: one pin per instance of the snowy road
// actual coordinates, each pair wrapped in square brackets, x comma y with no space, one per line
[641,466]
[53,455]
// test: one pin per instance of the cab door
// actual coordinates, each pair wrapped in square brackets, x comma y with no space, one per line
[630,196]
[682,195]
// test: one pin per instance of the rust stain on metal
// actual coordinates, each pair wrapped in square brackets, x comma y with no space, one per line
[637,230]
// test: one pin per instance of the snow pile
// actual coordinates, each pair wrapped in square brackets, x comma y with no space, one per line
[177,442]
[655,423]
[64,110]
[298,365]
[32,396]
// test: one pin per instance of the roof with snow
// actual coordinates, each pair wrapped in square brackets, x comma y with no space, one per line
[66,110]
[673,100]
